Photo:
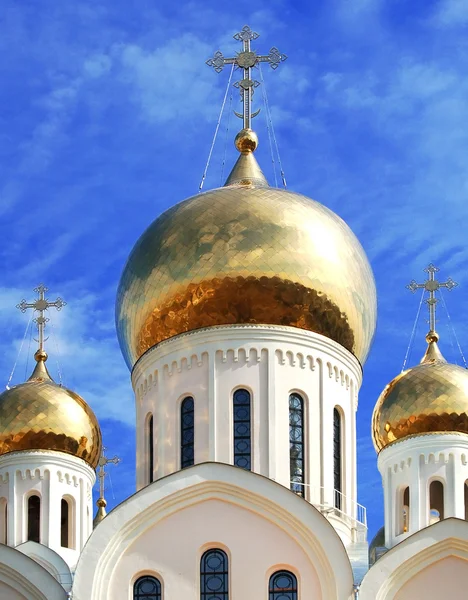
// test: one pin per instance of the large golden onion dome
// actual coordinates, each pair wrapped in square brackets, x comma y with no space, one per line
[431,397]
[246,253]
[43,415]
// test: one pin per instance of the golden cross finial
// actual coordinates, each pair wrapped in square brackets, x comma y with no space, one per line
[431,285]
[40,306]
[246,60]
[103,461]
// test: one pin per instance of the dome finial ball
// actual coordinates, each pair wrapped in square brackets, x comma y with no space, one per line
[246,140]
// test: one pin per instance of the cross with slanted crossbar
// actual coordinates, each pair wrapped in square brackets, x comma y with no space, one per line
[40,306]
[431,285]
[103,461]
[246,60]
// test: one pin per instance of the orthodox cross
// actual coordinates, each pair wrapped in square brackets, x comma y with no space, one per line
[431,285]
[246,60]
[40,306]
[103,461]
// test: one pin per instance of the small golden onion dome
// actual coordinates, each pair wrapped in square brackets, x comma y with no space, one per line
[246,253]
[431,397]
[42,415]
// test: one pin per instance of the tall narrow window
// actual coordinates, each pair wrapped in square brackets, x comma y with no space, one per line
[187,432]
[337,458]
[150,450]
[214,575]
[147,588]
[65,524]
[3,521]
[34,518]
[403,510]
[436,501]
[283,586]
[466,500]
[242,430]
[296,443]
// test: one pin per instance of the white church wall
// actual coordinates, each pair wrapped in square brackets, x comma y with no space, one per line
[270,362]
[51,476]
[447,578]
[165,528]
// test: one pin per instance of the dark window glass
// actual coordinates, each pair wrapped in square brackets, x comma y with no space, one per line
[296,443]
[187,432]
[147,588]
[64,524]
[150,450]
[214,576]
[283,586]
[34,518]
[337,457]
[242,430]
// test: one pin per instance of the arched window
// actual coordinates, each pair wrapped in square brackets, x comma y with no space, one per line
[214,575]
[296,443]
[150,450]
[3,521]
[436,501]
[187,432]
[337,458]
[403,504]
[466,500]
[283,586]
[147,588]
[65,519]
[34,518]
[242,430]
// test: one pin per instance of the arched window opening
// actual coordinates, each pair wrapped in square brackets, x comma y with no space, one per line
[283,586]
[436,502]
[242,430]
[3,521]
[147,588]
[296,443]
[34,518]
[403,503]
[466,500]
[187,432]
[150,450]
[214,575]
[66,519]
[337,459]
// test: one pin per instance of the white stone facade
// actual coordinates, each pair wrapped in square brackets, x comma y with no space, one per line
[270,362]
[52,476]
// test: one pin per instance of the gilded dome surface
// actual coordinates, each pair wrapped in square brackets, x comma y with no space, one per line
[42,415]
[430,397]
[246,253]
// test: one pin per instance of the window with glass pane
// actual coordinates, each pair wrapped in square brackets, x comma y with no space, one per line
[147,588]
[283,586]
[150,450]
[34,518]
[187,432]
[337,457]
[242,430]
[296,443]
[214,575]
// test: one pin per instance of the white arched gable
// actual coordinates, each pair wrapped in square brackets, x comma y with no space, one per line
[49,560]
[26,578]
[225,491]
[387,578]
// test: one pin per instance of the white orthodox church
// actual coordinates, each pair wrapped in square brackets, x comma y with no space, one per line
[245,315]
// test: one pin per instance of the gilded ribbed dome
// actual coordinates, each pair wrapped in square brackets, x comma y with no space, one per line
[246,253]
[43,415]
[428,398]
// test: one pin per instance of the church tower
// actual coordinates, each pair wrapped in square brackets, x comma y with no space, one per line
[420,427]
[245,314]
[50,444]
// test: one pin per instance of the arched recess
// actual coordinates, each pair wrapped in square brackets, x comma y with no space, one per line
[186,493]
[214,575]
[403,510]
[338,458]
[297,443]
[33,511]
[242,428]
[149,450]
[187,432]
[283,586]
[67,522]
[436,501]
[147,587]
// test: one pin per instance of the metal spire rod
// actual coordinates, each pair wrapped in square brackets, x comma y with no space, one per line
[40,306]
[431,285]
[246,60]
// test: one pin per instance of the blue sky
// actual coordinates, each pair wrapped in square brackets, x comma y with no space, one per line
[107,113]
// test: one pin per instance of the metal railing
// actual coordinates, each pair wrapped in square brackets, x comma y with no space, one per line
[330,501]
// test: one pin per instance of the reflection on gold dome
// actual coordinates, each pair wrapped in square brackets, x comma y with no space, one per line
[430,397]
[246,253]
[42,415]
